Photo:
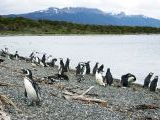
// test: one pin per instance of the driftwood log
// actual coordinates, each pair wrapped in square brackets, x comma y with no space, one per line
[9,85]
[6,101]
[70,96]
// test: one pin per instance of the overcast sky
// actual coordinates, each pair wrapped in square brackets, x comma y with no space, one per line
[149,8]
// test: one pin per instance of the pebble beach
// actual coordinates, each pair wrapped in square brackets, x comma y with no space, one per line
[131,103]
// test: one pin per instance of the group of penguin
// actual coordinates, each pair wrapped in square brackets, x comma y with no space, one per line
[32,90]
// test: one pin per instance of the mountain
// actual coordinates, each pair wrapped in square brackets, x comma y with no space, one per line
[90,16]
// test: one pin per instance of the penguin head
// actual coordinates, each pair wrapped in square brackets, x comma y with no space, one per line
[87,63]
[151,73]
[108,70]
[100,69]
[156,77]
[68,59]
[55,59]
[27,72]
[131,77]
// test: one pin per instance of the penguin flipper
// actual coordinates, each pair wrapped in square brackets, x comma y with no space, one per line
[37,88]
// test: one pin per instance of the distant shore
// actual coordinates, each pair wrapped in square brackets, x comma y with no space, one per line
[19,25]
[1,35]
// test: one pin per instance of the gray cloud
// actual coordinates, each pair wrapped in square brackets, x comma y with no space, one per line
[146,7]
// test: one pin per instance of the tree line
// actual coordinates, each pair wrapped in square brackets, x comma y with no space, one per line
[19,25]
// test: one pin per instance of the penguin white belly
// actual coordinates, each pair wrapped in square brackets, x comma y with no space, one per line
[31,93]
[99,79]
[131,80]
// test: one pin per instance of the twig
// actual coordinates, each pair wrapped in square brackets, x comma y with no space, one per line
[9,85]
[6,100]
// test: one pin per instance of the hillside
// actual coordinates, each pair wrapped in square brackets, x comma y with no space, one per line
[90,16]
[21,25]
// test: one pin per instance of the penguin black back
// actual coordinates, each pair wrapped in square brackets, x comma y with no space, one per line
[44,60]
[87,67]
[147,80]
[127,79]
[100,69]
[95,68]
[61,68]
[66,66]
[124,80]
[52,64]
[108,77]
[78,69]
[153,84]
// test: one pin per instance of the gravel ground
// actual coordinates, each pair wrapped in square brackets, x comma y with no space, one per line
[121,102]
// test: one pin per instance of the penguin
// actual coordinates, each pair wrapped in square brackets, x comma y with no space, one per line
[32,90]
[147,80]
[153,84]
[44,60]
[95,68]
[131,79]
[108,77]
[37,60]
[127,79]
[1,60]
[99,78]
[16,55]
[61,66]
[3,53]
[100,69]
[52,63]
[83,69]
[78,69]
[124,80]
[66,66]
[31,56]
[56,77]
[87,68]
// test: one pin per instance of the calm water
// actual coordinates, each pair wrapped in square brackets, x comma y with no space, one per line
[137,54]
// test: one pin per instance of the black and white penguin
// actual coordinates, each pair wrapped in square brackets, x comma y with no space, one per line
[32,90]
[100,69]
[66,66]
[16,55]
[3,53]
[83,69]
[108,77]
[153,84]
[127,79]
[44,60]
[31,56]
[37,60]
[147,80]
[87,64]
[61,66]
[52,63]
[95,68]
[99,76]
[78,69]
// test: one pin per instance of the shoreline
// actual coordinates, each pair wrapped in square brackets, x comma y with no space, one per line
[5,35]
[122,103]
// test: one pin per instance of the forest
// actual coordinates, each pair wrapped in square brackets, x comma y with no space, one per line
[19,25]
